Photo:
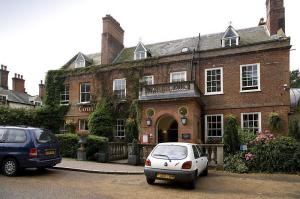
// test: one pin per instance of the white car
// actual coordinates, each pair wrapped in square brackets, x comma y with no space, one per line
[176,161]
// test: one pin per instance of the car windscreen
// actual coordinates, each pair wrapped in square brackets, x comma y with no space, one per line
[170,152]
[43,136]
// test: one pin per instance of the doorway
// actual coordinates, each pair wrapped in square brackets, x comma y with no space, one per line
[167,129]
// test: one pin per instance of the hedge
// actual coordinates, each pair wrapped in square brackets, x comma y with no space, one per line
[69,145]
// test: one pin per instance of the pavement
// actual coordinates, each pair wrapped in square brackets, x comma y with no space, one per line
[97,167]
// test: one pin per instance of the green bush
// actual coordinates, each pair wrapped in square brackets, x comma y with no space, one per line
[101,120]
[274,122]
[231,139]
[235,163]
[276,155]
[131,130]
[294,130]
[95,144]
[246,136]
[69,145]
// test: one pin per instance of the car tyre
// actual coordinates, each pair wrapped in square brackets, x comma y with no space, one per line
[192,184]
[10,167]
[150,181]
[205,171]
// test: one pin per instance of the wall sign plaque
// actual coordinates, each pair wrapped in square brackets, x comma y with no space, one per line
[186,136]
[85,109]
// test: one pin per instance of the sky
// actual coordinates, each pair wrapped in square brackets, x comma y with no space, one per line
[41,35]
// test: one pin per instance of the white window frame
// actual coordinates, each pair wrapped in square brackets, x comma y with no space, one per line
[230,41]
[172,73]
[85,125]
[138,55]
[65,93]
[86,102]
[259,119]
[206,126]
[218,92]
[117,130]
[114,82]
[147,76]
[258,78]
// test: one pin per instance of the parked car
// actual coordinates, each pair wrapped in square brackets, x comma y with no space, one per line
[27,148]
[181,162]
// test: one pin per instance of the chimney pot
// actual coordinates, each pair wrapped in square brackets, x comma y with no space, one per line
[21,76]
[15,75]
[41,81]
[5,68]
[1,67]
[18,76]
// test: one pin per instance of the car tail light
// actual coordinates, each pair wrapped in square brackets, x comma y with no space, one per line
[147,162]
[187,165]
[32,153]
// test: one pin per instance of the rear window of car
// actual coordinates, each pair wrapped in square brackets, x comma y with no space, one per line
[172,152]
[2,131]
[44,136]
[15,136]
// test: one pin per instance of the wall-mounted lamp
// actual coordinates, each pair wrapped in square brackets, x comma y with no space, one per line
[184,120]
[148,121]
[285,87]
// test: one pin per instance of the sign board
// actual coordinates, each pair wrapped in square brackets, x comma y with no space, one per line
[243,147]
[85,109]
[145,138]
[186,136]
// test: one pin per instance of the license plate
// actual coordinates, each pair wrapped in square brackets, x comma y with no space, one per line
[165,176]
[50,152]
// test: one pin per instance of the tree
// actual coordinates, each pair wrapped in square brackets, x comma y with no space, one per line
[231,139]
[295,79]
[101,120]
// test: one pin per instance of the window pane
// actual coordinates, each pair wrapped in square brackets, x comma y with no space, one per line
[16,136]
[213,81]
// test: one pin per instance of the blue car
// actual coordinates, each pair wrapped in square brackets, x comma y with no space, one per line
[28,147]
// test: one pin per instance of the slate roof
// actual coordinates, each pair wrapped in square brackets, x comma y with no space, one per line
[207,42]
[13,96]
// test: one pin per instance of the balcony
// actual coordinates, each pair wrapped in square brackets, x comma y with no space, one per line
[187,89]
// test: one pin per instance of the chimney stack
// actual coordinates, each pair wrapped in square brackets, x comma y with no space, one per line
[275,16]
[112,39]
[4,77]
[18,83]
[42,90]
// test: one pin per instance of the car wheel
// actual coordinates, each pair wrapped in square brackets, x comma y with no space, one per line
[150,181]
[205,171]
[10,167]
[192,184]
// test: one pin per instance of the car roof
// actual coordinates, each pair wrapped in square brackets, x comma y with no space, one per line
[177,143]
[17,127]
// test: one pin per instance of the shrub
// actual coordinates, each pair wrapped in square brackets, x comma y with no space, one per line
[246,136]
[235,163]
[68,144]
[274,121]
[274,155]
[101,120]
[231,139]
[294,130]
[131,129]
[95,144]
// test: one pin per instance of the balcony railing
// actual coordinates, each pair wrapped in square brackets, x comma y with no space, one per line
[169,90]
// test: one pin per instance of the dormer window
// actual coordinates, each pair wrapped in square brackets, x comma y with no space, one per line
[140,52]
[3,99]
[80,61]
[230,37]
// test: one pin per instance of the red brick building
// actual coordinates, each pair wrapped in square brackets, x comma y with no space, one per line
[189,85]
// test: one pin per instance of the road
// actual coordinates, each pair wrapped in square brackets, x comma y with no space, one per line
[58,184]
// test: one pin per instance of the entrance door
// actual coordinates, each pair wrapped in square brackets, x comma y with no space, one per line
[167,129]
